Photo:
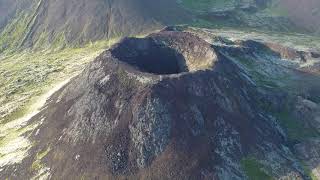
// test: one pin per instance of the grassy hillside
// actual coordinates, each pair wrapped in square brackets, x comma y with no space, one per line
[26,75]
[27,79]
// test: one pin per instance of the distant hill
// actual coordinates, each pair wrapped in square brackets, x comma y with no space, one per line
[47,23]
[305,13]
[279,15]
[80,21]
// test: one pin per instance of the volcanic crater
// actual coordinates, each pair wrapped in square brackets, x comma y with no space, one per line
[169,106]
[162,57]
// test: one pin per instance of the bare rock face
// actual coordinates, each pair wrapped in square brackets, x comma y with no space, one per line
[168,106]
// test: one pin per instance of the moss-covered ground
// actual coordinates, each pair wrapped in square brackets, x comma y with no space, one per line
[254,170]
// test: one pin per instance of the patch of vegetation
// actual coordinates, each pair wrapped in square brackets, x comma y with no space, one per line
[260,79]
[307,171]
[275,9]
[263,81]
[246,62]
[290,39]
[13,143]
[269,18]
[295,128]
[13,134]
[216,24]
[24,76]
[254,170]
[37,165]
[12,35]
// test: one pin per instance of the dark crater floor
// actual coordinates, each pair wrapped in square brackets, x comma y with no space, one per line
[148,56]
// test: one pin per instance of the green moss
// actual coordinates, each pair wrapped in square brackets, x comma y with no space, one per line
[254,170]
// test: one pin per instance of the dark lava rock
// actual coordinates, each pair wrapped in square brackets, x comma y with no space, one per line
[168,106]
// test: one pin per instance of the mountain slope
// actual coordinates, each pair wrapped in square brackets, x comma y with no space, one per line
[79,22]
[50,23]
[304,13]
[9,8]
[86,20]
